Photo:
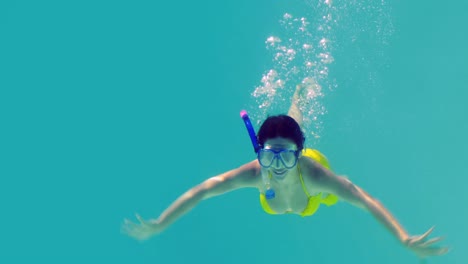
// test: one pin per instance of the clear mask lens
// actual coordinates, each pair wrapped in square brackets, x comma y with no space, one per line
[288,157]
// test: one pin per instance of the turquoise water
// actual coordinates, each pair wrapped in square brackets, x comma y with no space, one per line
[110,108]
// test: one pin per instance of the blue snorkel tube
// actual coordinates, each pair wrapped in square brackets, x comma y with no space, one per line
[269,193]
[250,129]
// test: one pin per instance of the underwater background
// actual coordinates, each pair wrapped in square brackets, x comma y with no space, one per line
[111,108]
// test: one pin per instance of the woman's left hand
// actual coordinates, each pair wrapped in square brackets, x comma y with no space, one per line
[142,230]
[423,247]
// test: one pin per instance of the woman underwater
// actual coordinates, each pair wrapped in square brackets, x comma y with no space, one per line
[291,179]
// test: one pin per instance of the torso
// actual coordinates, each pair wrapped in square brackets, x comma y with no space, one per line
[290,196]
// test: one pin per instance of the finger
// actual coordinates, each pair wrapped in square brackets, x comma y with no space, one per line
[438,251]
[125,228]
[434,251]
[432,241]
[128,226]
[129,223]
[139,218]
[418,240]
[443,251]
[428,232]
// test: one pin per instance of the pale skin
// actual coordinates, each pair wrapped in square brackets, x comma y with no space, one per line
[290,196]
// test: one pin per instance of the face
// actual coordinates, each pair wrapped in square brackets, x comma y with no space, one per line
[277,168]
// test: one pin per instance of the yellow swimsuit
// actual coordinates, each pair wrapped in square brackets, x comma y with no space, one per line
[314,201]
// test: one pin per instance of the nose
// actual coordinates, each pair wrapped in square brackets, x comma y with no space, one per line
[277,164]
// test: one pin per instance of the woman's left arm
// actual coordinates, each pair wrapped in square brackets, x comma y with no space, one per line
[351,193]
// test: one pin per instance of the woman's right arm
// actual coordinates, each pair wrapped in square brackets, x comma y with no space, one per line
[242,177]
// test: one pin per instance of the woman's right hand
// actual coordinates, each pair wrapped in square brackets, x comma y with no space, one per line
[142,230]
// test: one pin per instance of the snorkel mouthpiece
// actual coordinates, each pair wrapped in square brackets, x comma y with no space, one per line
[269,193]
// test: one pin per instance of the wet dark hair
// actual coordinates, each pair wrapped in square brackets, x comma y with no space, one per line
[281,126]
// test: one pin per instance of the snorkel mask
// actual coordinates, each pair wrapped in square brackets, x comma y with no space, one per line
[269,193]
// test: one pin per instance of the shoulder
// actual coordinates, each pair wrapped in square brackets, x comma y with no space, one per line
[315,173]
[247,175]
[325,180]
[310,168]
[250,170]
